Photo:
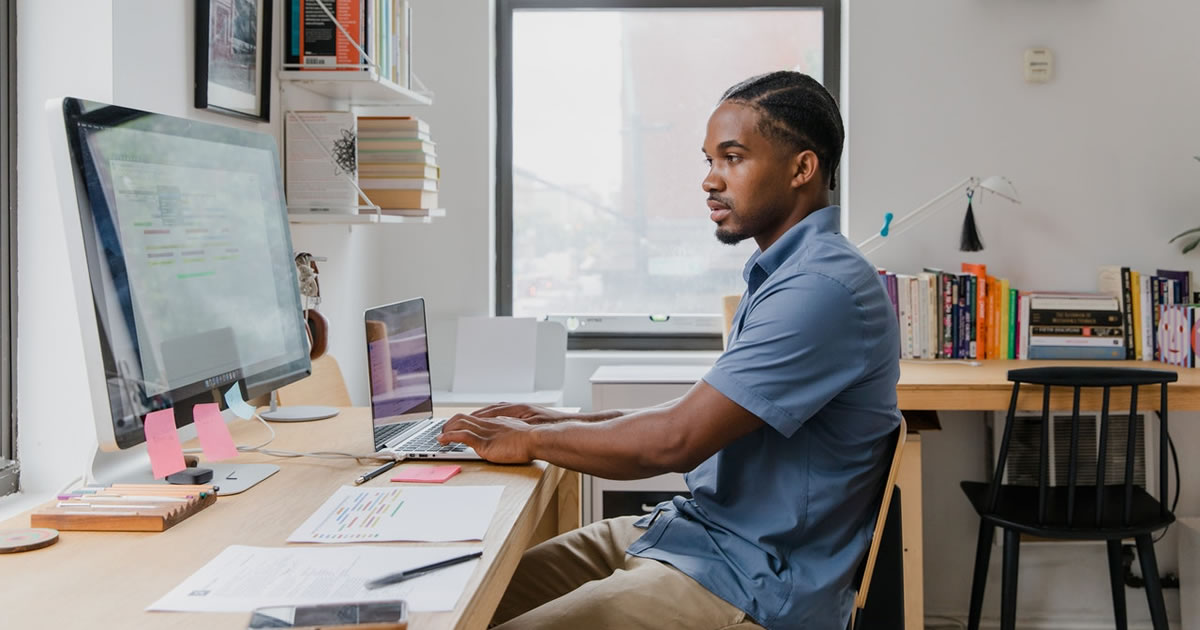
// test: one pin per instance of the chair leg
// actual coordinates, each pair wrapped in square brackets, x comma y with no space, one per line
[1154,595]
[1008,588]
[983,555]
[1116,576]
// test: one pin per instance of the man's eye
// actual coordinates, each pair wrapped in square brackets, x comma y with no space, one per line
[733,158]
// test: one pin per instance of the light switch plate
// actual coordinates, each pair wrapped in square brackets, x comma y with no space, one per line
[1039,65]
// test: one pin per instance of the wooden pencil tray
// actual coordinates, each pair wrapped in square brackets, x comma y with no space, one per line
[156,519]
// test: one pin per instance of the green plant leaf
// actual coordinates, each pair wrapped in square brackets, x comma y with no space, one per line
[1183,234]
[1192,245]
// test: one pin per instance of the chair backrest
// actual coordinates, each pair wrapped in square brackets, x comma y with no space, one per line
[860,599]
[551,356]
[1082,382]
[325,386]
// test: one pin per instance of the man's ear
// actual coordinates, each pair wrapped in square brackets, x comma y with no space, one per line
[805,167]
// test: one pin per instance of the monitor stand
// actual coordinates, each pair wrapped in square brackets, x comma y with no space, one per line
[133,466]
[296,413]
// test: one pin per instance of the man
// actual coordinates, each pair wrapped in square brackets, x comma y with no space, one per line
[786,438]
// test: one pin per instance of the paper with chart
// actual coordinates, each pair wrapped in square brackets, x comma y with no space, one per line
[402,513]
[243,578]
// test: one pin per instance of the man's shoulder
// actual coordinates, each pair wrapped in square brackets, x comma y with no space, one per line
[830,256]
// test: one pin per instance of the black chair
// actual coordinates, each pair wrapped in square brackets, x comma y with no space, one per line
[1109,512]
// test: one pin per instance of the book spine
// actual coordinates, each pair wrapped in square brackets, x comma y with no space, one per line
[1127,310]
[1038,317]
[1155,314]
[1076,352]
[1079,331]
[948,281]
[1023,348]
[973,315]
[291,37]
[1147,319]
[1097,342]
[1013,323]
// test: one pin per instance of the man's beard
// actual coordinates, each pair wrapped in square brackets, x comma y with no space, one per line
[730,237]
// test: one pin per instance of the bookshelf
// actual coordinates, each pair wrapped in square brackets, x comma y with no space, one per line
[364,219]
[355,88]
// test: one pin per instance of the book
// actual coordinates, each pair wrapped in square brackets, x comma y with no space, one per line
[1076,352]
[397,157]
[1068,317]
[401,199]
[1014,323]
[320,161]
[366,144]
[978,317]
[392,123]
[398,169]
[1183,280]
[1076,340]
[397,183]
[1078,331]
[321,44]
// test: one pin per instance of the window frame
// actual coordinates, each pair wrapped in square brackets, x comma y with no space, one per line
[9,471]
[831,60]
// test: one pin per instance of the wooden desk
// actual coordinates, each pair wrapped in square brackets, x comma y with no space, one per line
[939,385]
[106,579]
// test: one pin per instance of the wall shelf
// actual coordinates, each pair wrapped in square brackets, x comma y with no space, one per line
[355,87]
[352,219]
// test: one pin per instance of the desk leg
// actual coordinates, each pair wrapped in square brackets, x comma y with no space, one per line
[910,518]
[567,498]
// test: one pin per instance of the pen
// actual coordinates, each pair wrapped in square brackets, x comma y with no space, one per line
[364,478]
[412,573]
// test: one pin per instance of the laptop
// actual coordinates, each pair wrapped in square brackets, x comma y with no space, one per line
[401,393]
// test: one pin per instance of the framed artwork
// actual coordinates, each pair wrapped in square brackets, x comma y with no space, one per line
[233,57]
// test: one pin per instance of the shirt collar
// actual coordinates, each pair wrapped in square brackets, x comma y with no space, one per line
[826,219]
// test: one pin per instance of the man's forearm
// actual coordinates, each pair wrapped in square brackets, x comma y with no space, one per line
[633,446]
[598,416]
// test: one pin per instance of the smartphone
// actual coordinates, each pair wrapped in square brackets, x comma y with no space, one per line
[382,615]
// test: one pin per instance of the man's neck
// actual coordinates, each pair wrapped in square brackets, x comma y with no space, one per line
[803,209]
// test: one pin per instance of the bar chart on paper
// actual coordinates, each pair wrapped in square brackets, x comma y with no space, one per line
[404,513]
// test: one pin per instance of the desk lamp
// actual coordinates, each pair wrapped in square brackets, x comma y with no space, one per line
[996,184]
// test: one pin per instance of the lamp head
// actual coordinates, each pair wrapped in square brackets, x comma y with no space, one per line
[1000,185]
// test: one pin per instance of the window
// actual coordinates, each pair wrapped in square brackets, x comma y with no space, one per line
[8,243]
[602,108]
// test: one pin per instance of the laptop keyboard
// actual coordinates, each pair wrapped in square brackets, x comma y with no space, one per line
[426,442]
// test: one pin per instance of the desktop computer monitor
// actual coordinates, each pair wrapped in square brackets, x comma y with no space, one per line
[181,260]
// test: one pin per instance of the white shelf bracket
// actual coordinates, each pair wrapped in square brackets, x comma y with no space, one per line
[370,205]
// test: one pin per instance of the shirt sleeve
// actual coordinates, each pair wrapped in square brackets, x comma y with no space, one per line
[801,344]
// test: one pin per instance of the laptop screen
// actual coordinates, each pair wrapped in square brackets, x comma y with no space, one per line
[398,363]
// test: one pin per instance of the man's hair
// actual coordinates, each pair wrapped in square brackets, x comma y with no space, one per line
[796,109]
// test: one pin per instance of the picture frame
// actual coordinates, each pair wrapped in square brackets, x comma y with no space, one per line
[233,57]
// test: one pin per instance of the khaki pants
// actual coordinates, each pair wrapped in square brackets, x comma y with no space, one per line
[584,579]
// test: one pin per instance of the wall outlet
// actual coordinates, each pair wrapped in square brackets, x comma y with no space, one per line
[1039,65]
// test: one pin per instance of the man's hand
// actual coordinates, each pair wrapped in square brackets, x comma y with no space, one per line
[531,414]
[500,440]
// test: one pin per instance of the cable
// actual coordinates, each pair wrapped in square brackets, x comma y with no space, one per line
[260,448]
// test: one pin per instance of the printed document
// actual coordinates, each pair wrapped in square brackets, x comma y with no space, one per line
[402,513]
[243,578]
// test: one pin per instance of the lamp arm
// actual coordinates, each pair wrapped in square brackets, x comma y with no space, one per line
[877,240]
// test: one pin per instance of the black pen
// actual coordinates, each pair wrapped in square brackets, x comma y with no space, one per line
[364,478]
[412,573]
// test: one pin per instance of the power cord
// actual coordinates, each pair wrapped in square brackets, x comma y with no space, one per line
[261,448]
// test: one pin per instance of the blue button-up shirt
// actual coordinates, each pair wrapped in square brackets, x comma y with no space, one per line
[781,518]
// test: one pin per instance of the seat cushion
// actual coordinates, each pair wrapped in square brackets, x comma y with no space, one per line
[1017,508]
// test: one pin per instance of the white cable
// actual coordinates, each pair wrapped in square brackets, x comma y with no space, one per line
[260,448]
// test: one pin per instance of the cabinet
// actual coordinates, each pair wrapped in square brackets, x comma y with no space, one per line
[631,387]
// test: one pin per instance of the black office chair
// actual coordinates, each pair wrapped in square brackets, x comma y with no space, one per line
[1076,512]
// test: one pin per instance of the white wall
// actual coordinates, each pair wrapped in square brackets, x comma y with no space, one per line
[1101,157]
[54,431]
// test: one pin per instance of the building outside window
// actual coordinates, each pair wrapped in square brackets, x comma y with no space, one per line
[602,113]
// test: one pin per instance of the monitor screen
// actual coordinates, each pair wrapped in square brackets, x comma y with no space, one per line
[189,261]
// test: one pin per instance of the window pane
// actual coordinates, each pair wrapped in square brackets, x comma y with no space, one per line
[609,115]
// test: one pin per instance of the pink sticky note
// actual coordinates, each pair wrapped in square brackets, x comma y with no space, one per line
[166,456]
[425,474]
[214,435]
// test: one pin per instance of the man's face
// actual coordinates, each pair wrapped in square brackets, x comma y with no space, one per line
[749,178]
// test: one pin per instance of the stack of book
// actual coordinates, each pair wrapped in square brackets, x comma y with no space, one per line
[1144,298]
[397,165]
[1072,326]
[319,156]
